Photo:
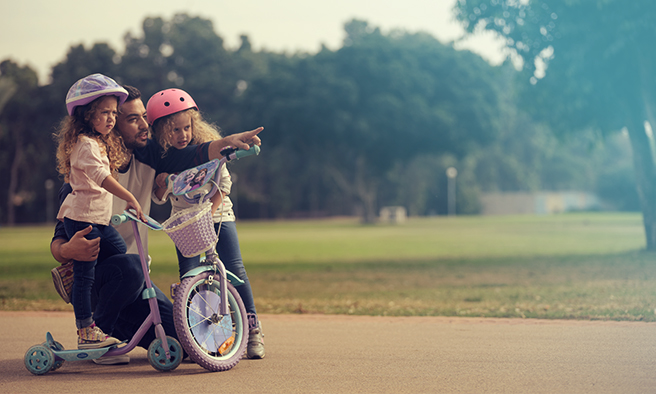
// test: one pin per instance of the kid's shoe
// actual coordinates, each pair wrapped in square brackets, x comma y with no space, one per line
[93,337]
[255,347]
[62,277]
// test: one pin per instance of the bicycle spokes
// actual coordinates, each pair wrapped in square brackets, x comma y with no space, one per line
[212,331]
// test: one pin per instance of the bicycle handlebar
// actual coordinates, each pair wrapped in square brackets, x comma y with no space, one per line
[254,150]
[231,153]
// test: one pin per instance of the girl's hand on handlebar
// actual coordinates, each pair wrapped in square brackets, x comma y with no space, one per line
[137,209]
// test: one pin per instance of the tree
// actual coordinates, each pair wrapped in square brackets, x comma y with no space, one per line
[377,101]
[186,52]
[586,64]
[24,150]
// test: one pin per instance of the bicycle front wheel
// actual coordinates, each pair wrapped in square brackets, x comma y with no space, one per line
[213,341]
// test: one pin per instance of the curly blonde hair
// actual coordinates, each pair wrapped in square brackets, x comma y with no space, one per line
[201,131]
[71,127]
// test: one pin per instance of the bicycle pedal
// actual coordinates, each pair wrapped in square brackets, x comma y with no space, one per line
[174,286]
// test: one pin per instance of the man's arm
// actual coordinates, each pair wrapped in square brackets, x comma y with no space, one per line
[77,248]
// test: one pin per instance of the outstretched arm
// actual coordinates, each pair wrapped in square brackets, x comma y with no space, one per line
[240,140]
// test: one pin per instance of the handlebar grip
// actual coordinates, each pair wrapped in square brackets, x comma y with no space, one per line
[254,150]
[119,219]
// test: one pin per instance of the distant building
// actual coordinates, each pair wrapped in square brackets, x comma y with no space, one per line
[393,214]
[537,203]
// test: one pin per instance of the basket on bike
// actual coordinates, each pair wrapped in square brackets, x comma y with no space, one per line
[192,230]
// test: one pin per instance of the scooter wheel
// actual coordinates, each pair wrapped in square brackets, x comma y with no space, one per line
[157,354]
[39,360]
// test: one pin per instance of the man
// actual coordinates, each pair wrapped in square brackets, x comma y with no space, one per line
[119,280]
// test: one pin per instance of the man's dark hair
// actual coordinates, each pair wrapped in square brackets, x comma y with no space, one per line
[133,93]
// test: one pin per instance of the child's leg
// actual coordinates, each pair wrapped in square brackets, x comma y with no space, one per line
[89,335]
[230,255]
[186,264]
[83,273]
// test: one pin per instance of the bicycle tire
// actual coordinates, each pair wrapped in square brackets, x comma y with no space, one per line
[216,343]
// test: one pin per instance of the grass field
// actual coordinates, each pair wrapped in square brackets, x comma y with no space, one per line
[569,266]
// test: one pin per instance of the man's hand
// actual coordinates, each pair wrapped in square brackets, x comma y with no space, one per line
[77,248]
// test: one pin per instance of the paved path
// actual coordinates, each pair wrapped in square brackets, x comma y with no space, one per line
[347,354]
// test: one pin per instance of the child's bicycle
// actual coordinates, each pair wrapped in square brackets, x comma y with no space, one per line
[209,315]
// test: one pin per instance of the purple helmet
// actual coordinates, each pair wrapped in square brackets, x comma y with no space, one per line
[90,88]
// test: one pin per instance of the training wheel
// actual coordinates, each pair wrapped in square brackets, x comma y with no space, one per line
[58,347]
[157,355]
[39,360]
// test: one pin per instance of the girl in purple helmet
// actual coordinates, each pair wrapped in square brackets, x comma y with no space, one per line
[89,154]
[176,123]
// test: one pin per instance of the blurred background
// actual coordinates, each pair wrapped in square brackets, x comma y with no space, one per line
[380,110]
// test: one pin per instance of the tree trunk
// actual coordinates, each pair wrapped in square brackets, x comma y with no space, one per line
[365,190]
[643,160]
[362,187]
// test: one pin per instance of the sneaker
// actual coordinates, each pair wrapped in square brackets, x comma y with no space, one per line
[62,277]
[255,347]
[113,360]
[93,337]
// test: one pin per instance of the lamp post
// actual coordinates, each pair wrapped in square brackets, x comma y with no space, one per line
[451,174]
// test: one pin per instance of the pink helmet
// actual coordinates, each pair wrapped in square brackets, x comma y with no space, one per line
[90,88]
[167,102]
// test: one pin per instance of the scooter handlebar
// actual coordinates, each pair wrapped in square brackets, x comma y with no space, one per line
[119,219]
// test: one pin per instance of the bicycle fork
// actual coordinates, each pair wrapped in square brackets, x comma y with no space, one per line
[211,257]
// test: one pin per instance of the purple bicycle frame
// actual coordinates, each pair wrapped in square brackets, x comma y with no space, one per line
[153,318]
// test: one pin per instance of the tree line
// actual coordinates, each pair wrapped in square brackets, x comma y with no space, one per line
[374,123]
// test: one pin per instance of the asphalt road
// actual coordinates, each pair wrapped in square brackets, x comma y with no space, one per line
[349,354]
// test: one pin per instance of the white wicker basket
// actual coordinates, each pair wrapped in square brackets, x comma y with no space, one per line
[192,230]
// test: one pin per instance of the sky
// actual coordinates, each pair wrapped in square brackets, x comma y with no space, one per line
[39,33]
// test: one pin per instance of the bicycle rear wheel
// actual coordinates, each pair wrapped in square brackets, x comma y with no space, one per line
[213,341]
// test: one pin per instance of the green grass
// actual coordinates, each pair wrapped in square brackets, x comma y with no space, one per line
[570,266]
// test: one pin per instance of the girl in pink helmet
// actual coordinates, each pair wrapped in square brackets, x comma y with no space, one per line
[89,154]
[176,123]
